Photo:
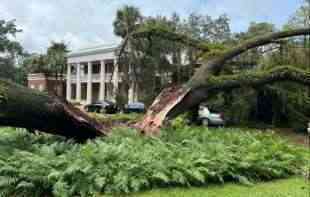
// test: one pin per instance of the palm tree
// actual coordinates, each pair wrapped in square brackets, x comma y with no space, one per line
[127,20]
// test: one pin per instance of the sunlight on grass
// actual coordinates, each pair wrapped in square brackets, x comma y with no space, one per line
[293,187]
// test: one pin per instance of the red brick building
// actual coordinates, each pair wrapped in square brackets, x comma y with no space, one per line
[50,84]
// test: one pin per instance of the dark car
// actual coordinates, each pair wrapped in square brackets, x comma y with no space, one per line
[108,107]
[136,107]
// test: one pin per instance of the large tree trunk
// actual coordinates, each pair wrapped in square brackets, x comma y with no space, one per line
[174,101]
[33,110]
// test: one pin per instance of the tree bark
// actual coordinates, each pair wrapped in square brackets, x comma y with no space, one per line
[174,101]
[25,108]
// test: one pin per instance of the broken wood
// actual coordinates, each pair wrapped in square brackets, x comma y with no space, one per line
[26,108]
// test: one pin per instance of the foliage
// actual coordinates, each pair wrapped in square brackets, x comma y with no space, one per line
[10,50]
[56,55]
[162,50]
[53,62]
[36,63]
[127,20]
[127,162]
[182,121]
[119,118]
[9,71]
[7,29]
[281,104]
[301,17]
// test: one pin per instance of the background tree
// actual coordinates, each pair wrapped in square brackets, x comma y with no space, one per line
[301,18]
[156,62]
[35,63]
[10,51]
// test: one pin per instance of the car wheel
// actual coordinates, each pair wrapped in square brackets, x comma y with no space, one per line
[205,122]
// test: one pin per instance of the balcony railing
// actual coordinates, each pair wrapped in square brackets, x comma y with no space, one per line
[95,77]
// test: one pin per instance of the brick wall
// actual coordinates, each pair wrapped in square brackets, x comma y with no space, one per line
[41,82]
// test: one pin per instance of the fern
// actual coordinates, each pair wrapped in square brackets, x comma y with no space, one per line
[126,162]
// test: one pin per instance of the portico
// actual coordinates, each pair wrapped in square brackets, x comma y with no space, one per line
[93,74]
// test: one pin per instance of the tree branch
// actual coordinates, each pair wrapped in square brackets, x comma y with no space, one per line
[254,79]
[215,65]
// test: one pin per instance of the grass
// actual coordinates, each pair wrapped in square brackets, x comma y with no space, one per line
[127,162]
[292,187]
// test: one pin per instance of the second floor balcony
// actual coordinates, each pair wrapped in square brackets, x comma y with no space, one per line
[95,77]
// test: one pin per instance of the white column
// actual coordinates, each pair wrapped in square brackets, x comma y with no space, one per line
[68,91]
[78,82]
[115,79]
[89,83]
[131,92]
[136,92]
[133,87]
[102,81]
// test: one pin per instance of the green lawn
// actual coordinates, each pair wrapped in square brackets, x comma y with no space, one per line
[293,187]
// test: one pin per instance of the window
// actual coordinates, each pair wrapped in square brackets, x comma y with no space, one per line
[109,66]
[73,69]
[96,68]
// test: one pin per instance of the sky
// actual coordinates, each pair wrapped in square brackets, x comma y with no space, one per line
[86,23]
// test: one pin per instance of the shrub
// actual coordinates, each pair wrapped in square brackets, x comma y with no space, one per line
[180,122]
[112,119]
[127,162]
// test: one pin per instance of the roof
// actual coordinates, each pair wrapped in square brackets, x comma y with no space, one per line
[94,50]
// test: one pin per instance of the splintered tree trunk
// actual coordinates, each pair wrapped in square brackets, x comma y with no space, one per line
[174,101]
[25,108]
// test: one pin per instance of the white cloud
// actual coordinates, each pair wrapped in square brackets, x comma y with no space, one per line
[89,22]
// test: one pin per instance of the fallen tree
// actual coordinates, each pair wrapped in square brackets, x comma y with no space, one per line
[26,108]
[176,100]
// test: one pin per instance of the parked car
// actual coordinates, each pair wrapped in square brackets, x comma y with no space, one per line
[136,107]
[108,107]
[207,118]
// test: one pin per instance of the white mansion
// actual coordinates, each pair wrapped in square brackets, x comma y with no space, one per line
[93,74]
